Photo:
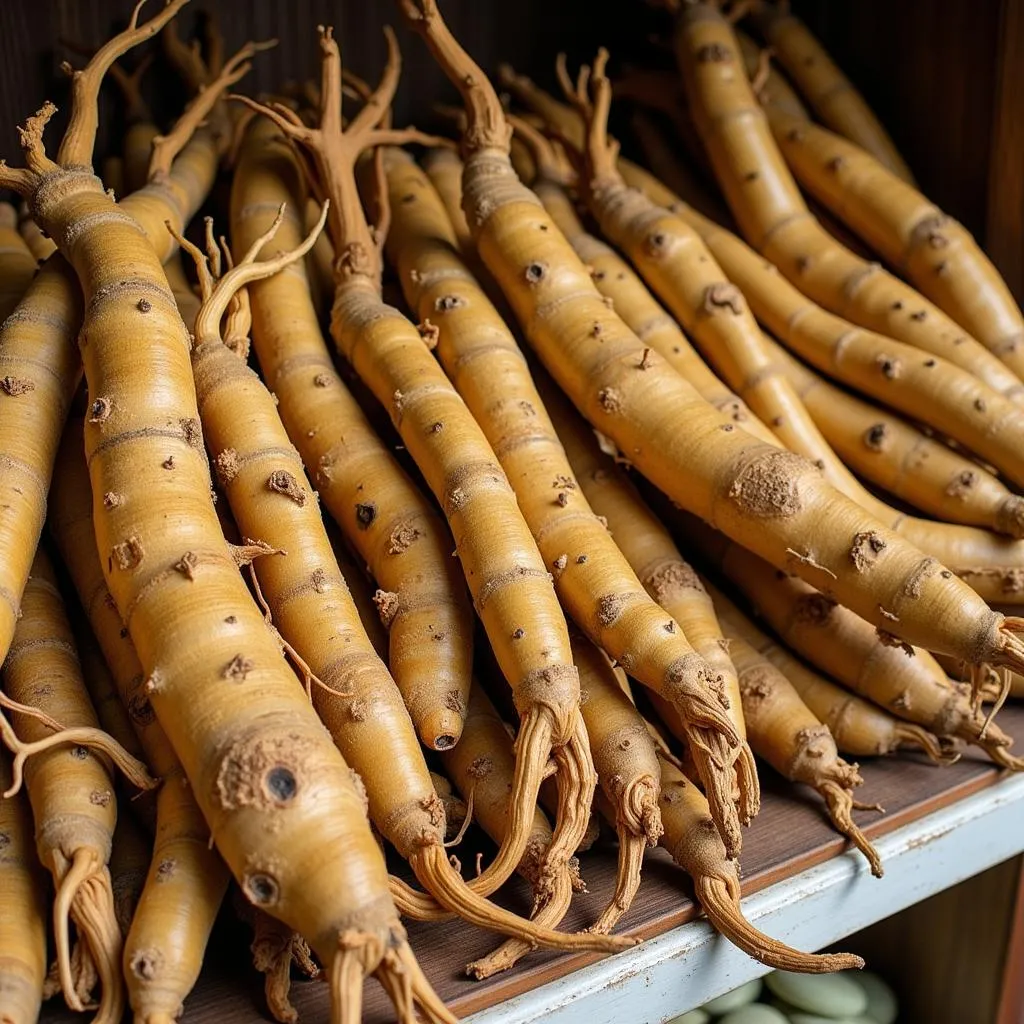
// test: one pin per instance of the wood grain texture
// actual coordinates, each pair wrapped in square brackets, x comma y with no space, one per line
[789,835]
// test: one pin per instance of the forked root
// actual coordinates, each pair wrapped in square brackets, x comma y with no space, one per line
[406,984]
[627,880]
[720,899]
[512,951]
[913,737]
[81,736]
[577,781]
[840,809]
[432,868]
[275,947]
[713,760]
[85,896]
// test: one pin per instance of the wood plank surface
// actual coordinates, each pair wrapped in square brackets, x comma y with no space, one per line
[790,834]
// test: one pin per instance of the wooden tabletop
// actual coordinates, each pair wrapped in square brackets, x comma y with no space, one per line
[790,834]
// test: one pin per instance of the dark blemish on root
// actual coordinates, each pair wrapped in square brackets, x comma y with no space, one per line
[814,609]
[723,295]
[919,315]
[889,366]
[99,410]
[282,482]
[318,580]
[534,273]
[386,602]
[166,868]
[143,305]
[127,555]
[168,463]
[231,619]
[714,53]
[581,559]
[436,428]
[446,303]
[877,437]
[979,404]
[15,386]
[145,964]
[670,626]
[887,639]
[80,753]
[187,565]
[100,798]
[836,164]
[562,499]
[454,701]
[655,244]
[929,363]
[865,549]
[112,499]
[281,784]
[645,359]
[480,768]
[261,889]
[366,513]
[238,668]
[518,633]
[962,483]
[140,710]
[897,305]
[322,380]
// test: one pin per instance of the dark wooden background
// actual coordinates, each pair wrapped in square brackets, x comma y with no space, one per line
[933,71]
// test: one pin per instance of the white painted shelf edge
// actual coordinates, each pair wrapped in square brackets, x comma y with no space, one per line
[691,964]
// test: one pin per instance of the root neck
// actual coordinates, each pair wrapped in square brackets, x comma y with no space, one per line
[720,900]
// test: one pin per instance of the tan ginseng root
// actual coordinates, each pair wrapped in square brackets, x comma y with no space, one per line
[24,896]
[656,560]
[924,387]
[393,526]
[17,263]
[860,728]
[508,579]
[912,235]
[72,795]
[618,282]
[592,578]
[483,767]
[774,218]
[306,597]
[786,733]
[694,844]
[130,857]
[754,366]
[774,501]
[832,95]
[279,798]
[903,680]
[927,474]
[187,878]
[40,364]
[627,768]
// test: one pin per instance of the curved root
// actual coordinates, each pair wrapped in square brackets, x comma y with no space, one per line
[577,781]
[914,737]
[404,981]
[512,950]
[85,895]
[82,736]
[431,866]
[712,760]
[748,784]
[275,947]
[627,880]
[720,899]
[840,809]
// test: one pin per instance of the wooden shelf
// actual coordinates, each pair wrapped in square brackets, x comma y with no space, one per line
[939,829]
